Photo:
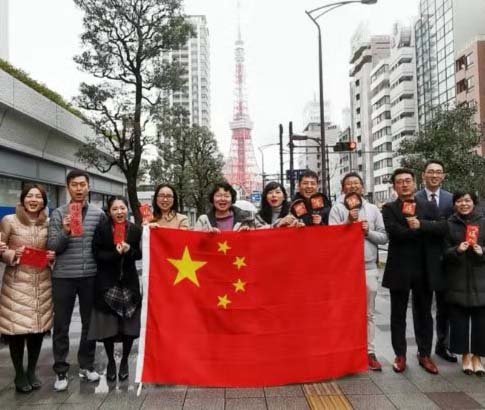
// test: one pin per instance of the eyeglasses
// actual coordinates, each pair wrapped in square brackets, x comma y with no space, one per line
[435,172]
[222,196]
[165,196]
[408,181]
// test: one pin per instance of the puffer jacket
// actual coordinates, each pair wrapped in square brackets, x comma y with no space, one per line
[465,272]
[25,297]
[74,254]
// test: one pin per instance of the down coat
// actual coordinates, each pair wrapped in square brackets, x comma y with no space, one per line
[25,297]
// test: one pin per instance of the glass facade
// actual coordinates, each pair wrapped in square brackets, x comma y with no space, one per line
[434,57]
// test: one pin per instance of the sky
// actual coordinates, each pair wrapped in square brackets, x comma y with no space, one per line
[281,55]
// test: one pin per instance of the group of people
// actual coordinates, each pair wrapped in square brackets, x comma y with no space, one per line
[435,241]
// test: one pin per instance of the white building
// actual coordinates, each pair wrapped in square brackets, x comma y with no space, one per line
[366,52]
[195,58]
[4,42]
[444,27]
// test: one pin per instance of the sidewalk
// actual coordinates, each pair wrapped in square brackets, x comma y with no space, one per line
[414,389]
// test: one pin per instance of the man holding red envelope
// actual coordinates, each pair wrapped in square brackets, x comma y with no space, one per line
[415,233]
[350,208]
[71,232]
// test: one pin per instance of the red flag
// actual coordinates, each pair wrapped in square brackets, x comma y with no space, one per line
[255,308]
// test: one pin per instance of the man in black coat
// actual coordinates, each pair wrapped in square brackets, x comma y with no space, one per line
[415,233]
[433,176]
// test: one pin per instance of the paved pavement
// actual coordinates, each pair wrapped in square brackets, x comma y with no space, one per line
[414,389]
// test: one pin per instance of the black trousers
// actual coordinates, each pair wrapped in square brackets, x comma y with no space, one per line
[442,320]
[422,318]
[467,330]
[64,292]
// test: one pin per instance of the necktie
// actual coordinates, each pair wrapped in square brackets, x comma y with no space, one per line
[433,200]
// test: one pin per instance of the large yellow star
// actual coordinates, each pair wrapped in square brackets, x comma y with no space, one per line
[223,247]
[239,262]
[187,268]
[239,286]
[223,301]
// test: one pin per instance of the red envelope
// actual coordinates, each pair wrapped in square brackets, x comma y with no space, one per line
[119,232]
[75,211]
[409,208]
[146,212]
[472,232]
[352,200]
[317,201]
[299,209]
[34,257]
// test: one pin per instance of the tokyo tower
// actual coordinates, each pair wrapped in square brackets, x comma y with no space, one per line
[241,169]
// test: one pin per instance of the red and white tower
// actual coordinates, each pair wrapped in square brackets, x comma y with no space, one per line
[241,169]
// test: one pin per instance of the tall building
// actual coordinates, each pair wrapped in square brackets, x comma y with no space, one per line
[470,80]
[366,52]
[393,100]
[195,58]
[4,42]
[443,27]
[240,168]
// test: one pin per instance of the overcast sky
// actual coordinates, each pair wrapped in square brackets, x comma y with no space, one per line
[281,54]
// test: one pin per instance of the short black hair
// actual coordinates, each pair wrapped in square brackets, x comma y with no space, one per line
[26,189]
[308,173]
[75,173]
[400,171]
[157,212]
[460,194]
[352,175]
[434,161]
[226,186]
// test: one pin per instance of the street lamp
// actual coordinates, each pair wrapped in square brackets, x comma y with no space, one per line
[314,15]
[260,149]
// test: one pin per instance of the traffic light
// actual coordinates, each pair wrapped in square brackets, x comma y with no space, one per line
[345,146]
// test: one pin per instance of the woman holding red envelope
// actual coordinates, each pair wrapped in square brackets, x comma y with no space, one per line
[465,275]
[25,297]
[116,313]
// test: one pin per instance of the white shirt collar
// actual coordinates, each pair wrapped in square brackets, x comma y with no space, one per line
[437,193]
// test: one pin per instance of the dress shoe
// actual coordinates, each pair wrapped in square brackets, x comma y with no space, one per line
[478,366]
[373,362]
[427,364]
[466,364]
[445,354]
[399,364]
[22,384]
[123,372]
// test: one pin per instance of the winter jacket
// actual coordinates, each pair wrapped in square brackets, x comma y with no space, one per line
[465,272]
[25,297]
[74,254]
[208,220]
[110,263]
[376,235]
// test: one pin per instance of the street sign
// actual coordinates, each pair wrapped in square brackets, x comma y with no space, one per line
[296,174]
[255,196]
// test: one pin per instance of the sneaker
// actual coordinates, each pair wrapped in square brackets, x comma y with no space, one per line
[374,363]
[61,382]
[89,375]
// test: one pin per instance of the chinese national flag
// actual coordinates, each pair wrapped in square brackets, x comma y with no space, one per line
[253,308]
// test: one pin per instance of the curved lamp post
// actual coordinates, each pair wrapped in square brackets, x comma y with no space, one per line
[314,15]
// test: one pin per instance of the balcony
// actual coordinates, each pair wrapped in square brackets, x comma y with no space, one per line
[406,87]
[406,105]
[379,95]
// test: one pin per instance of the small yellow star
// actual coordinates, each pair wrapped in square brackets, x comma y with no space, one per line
[187,268]
[239,262]
[223,301]
[239,286]
[223,247]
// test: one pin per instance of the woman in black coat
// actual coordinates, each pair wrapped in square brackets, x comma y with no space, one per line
[465,276]
[116,247]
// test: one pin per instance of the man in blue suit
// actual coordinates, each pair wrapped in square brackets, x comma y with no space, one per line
[433,176]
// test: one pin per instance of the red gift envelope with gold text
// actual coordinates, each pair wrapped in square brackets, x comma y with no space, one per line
[75,211]
[472,232]
[409,208]
[119,232]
